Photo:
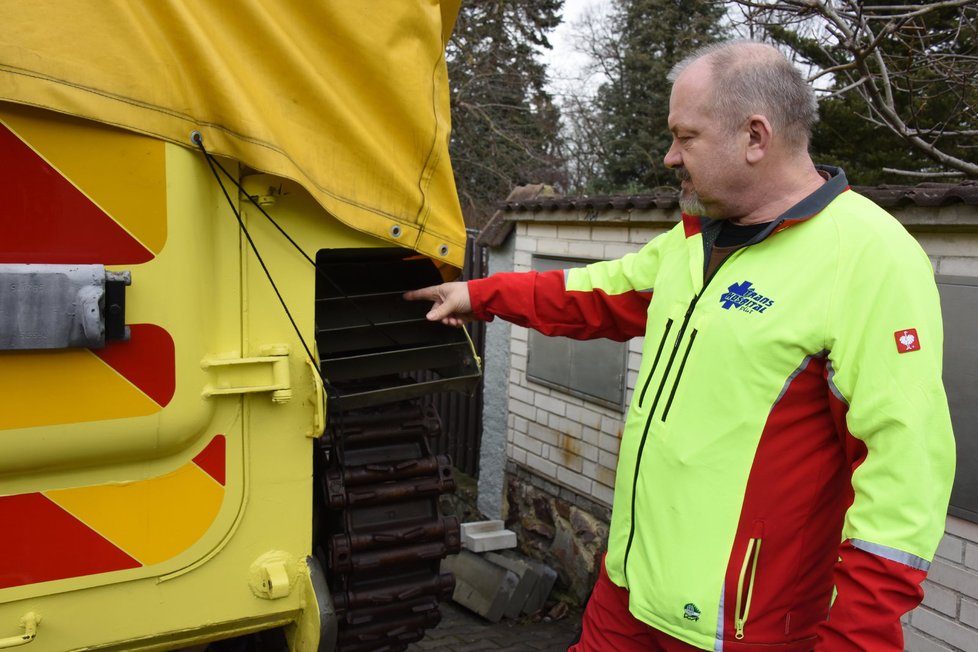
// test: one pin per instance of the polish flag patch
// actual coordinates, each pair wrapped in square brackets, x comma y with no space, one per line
[907,340]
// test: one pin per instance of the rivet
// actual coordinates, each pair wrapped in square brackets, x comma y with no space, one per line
[396,231]
[443,250]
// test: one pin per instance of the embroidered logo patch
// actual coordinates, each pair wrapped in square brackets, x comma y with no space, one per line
[691,612]
[907,340]
[745,298]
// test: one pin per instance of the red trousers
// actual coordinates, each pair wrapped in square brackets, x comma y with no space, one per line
[609,627]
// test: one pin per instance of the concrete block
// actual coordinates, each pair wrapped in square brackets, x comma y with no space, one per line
[546,577]
[969,613]
[476,527]
[962,528]
[914,641]
[945,629]
[940,599]
[480,585]
[527,579]
[951,548]
[483,536]
[956,578]
[971,556]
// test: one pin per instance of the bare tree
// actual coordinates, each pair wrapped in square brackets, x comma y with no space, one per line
[913,66]
[618,133]
[505,126]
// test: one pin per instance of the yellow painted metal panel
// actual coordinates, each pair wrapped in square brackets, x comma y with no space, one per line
[152,520]
[86,389]
[121,172]
[190,290]
[200,547]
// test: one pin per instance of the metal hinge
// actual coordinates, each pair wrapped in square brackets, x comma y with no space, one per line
[266,373]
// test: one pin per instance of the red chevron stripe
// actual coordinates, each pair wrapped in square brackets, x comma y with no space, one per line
[46,219]
[212,459]
[146,360]
[41,542]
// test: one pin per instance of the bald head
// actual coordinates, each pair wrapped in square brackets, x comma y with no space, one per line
[748,78]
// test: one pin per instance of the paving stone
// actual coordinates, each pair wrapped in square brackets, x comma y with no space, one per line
[459,628]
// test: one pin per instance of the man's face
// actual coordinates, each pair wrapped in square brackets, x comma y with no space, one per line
[704,153]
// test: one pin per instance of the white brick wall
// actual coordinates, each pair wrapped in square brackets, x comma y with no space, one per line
[948,617]
[951,254]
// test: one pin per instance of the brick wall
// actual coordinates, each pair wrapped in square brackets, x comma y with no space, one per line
[572,443]
[948,618]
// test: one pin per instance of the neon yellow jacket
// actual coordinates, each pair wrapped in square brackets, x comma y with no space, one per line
[791,402]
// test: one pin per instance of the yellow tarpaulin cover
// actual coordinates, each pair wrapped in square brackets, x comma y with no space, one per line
[347,97]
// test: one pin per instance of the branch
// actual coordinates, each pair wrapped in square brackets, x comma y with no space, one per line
[923,175]
[834,69]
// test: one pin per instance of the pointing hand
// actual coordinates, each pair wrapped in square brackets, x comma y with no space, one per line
[451,304]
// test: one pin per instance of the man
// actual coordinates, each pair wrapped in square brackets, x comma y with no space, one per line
[789,395]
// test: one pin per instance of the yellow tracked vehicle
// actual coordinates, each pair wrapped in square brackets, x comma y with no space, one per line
[210,416]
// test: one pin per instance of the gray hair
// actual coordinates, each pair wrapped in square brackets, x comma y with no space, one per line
[755,78]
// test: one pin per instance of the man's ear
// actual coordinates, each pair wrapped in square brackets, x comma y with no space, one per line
[759,137]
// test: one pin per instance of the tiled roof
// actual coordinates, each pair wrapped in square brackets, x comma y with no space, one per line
[497,229]
[665,199]
[531,202]
[931,195]
[924,194]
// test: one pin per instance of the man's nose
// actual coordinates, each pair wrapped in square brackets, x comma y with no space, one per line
[673,159]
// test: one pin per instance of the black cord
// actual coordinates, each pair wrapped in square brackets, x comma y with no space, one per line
[327,386]
[199,141]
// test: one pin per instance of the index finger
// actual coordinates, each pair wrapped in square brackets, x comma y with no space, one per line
[430,293]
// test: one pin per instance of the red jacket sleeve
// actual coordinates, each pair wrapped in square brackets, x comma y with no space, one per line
[539,300]
[872,594]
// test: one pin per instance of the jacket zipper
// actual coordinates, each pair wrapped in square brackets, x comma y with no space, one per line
[743,598]
[655,363]
[672,355]
[665,375]
[648,422]
[679,374]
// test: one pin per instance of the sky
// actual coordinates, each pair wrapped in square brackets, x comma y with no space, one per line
[566,66]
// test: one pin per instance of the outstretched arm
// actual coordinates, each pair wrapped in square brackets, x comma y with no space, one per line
[539,300]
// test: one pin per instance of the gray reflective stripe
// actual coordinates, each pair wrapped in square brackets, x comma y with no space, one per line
[832,387]
[899,556]
[718,646]
[791,378]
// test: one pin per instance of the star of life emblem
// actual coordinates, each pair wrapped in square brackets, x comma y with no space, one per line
[907,340]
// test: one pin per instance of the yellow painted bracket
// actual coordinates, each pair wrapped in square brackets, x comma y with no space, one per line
[266,373]
[29,623]
[318,403]
[270,577]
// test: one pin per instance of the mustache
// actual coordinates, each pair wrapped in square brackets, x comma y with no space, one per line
[683,174]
